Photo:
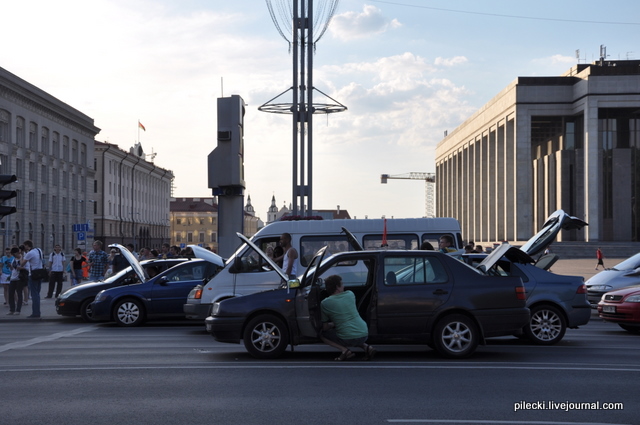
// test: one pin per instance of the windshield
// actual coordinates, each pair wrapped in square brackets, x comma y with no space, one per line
[630,263]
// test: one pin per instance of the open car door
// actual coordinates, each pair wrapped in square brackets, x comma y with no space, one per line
[308,297]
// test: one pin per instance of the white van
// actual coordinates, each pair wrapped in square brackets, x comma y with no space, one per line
[247,271]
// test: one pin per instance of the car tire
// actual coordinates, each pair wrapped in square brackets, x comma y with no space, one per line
[546,326]
[85,311]
[456,336]
[266,337]
[628,328]
[129,312]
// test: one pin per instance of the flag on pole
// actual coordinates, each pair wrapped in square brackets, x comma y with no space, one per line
[141,126]
[384,235]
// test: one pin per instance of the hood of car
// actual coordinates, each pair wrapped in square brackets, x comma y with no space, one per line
[513,254]
[630,290]
[273,265]
[557,221]
[133,262]
[207,255]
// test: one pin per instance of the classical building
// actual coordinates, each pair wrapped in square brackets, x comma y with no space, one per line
[132,197]
[49,146]
[545,143]
[275,214]
[194,221]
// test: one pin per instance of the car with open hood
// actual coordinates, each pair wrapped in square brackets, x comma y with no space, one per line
[622,275]
[404,296]
[76,301]
[159,296]
[557,302]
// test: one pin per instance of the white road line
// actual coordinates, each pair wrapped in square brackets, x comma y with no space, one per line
[460,421]
[47,338]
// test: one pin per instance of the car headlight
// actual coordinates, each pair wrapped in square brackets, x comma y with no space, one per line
[101,296]
[633,299]
[600,288]
[215,309]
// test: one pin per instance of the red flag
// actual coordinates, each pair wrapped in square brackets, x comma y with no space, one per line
[141,126]
[384,234]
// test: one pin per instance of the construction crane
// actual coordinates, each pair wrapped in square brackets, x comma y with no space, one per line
[429,190]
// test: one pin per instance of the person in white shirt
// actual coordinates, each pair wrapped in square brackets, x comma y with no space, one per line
[56,271]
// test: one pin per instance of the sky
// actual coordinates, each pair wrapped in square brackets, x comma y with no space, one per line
[407,71]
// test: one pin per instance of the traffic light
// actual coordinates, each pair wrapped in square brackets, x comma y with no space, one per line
[7,194]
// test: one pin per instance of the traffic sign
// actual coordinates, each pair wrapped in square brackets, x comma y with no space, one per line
[81,236]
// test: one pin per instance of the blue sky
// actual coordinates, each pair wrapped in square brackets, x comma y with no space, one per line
[407,70]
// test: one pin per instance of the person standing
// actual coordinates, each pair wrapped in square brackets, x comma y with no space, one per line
[33,259]
[5,278]
[446,244]
[19,278]
[77,263]
[289,257]
[56,269]
[600,258]
[99,261]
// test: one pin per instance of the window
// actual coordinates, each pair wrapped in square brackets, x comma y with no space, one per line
[83,155]
[434,239]
[189,237]
[55,149]
[213,237]
[54,203]
[201,237]
[44,140]
[20,131]
[178,221]
[32,171]
[32,201]
[33,136]
[178,236]
[65,206]
[65,148]
[55,176]
[309,245]
[64,179]
[74,151]
[19,168]
[44,174]
[43,202]
[408,241]
[413,270]
[4,126]
[5,166]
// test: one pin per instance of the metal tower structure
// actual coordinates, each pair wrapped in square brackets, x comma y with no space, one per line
[429,188]
[299,18]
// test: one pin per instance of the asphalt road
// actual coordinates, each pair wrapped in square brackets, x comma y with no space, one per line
[62,370]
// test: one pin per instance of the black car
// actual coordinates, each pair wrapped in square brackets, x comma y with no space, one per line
[76,300]
[403,296]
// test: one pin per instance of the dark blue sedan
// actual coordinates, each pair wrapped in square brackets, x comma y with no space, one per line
[160,296]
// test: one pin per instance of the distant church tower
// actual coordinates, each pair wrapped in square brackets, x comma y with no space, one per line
[272,214]
[249,208]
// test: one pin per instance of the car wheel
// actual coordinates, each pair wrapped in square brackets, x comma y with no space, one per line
[628,328]
[456,336]
[266,337]
[129,312]
[85,310]
[547,325]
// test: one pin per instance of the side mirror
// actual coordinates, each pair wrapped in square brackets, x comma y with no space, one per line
[236,267]
[163,281]
[293,283]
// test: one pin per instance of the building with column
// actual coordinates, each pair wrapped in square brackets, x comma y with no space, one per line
[132,197]
[570,142]
[49,146]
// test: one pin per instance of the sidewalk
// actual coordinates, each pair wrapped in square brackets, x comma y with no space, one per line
[576,267]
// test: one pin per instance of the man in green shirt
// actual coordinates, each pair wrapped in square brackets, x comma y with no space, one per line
[342,326]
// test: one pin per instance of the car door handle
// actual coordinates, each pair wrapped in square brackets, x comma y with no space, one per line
[440,292]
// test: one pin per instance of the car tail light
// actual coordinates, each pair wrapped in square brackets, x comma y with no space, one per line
[520,293]
[582,289]
[198,294]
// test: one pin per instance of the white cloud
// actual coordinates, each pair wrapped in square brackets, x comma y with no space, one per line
[448,62]
[370,21]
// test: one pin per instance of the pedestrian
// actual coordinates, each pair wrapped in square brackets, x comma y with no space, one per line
[132,250]
[342,326]
[289,257]
[78,263]
[164,251]
[25,288]
[117,261]
[98,260]
[446,244]
[5,278]
[19,278]
[35,262]
[56,271]
[600,258]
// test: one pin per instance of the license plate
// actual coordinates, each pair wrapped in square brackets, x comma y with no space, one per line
[609,309]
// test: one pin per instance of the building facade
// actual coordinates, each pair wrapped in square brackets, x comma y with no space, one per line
[49,146]
[132,197]
[545,143]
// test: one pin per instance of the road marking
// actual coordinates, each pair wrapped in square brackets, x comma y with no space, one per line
[460,421]
[40,339]
[310,365]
